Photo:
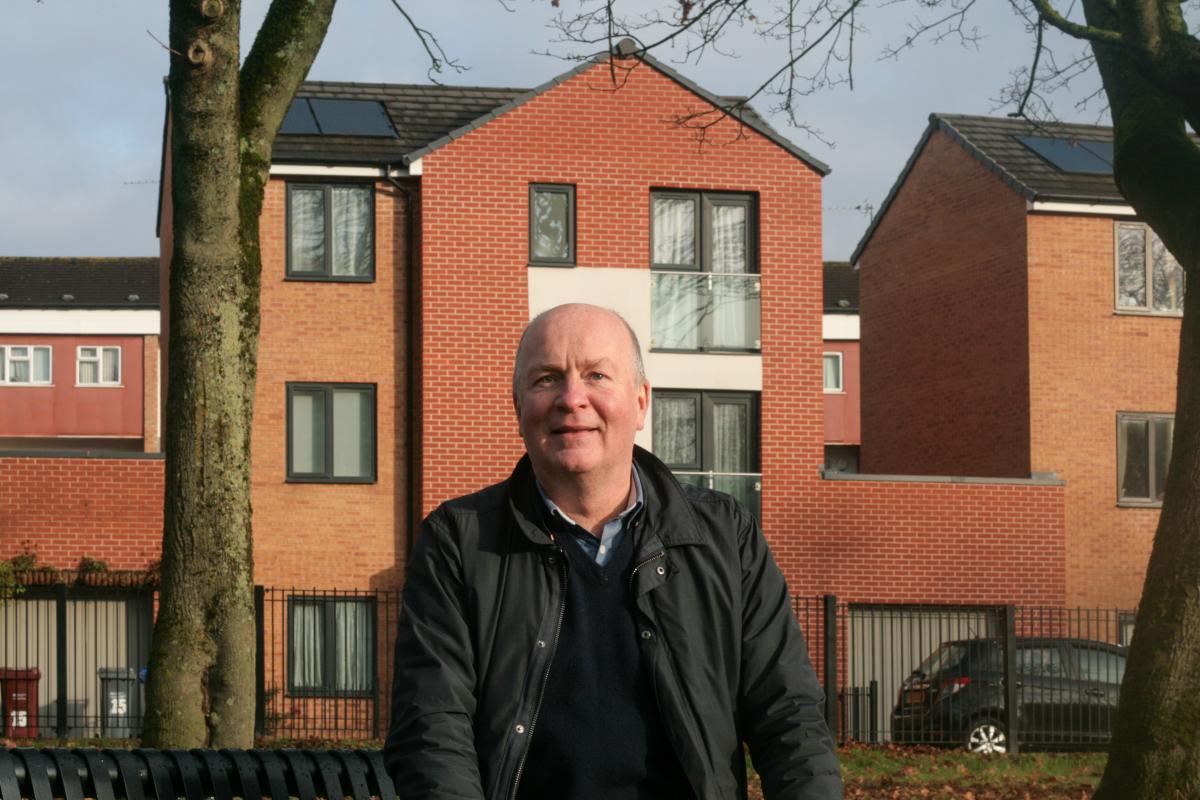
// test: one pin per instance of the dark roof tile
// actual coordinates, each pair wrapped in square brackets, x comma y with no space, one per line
[90,282]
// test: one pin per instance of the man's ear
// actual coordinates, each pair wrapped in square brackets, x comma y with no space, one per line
[643,403]
[517,410]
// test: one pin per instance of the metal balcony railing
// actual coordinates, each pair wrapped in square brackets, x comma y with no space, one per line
[746,487]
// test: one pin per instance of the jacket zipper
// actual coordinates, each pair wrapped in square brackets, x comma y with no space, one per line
[640,564]
[562,611]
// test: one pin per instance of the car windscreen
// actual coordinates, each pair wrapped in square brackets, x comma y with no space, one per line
[949,654]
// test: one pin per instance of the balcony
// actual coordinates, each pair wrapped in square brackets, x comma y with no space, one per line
[746,487]
[705,311]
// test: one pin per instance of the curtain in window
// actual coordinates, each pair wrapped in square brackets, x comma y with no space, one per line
[352,234]
[110,364]
[731,447]
[307,221]
[729,295]
[550,218]
[1163,429]
[307,645]
[308,432]
[19,364]
[680,303]
[352,624]
[674,227]
[675,431]
[833,373]
[1168,277]
[353,417]
[1131,266]
[3,369]
[41,363]
[1134,477]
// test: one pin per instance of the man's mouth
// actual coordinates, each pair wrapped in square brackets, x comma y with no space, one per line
[570,430]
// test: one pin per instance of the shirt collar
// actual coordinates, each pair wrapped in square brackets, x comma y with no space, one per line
[635,502]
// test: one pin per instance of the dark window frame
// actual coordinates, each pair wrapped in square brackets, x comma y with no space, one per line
[328,603]
[705,447]
[567,189]
[327,276]
[705,202]
[327,476]
[1147,417]
[1148,309]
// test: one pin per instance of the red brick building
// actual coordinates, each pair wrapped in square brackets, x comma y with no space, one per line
[1020,320]
[840,367]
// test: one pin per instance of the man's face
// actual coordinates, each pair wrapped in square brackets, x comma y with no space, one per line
[579,403]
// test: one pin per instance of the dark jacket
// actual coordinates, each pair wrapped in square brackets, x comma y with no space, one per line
[483,604]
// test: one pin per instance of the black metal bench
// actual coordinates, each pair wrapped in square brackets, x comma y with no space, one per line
[60,774]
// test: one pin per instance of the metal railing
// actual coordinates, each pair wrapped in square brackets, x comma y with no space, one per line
[746,487]
[697,311]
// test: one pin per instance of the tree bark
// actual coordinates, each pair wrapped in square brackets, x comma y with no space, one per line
[223,122]
[1155,750]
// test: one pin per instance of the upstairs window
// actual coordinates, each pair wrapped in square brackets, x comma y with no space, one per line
[1149,279]
[331,232]
[1143,453]
[331,432]
[552,224]
[98,366]
[833,372]
[705,286]
[27,365]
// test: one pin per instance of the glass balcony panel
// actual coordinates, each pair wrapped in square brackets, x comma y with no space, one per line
[745,487]
[705,311]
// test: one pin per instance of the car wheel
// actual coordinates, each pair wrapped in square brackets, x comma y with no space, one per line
[986,736]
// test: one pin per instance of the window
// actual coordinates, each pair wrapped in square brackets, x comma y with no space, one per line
[332,650]
[1149,279]
[833,371]
[1040,662]
[551,224]
[24,364]
[331,232]
[705,286]
[331,432]
[710,439]
[1100,666]
[98,366]
[1143,453]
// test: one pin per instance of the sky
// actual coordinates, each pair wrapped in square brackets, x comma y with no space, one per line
[82,104]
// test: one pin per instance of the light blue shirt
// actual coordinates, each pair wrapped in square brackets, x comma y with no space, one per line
[600,550]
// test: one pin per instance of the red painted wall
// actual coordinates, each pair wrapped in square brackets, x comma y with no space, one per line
[842,418]
[62,509]
[64,409]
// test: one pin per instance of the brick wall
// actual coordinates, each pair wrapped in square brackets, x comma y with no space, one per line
[945,371]
[151,395]
[1086,364]
[614,146]
[331,535]
[842,421]
[63,509]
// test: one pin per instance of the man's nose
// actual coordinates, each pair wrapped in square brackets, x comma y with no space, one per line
[573,393]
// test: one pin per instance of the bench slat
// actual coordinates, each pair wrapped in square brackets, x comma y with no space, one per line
[100,772]
[247,772]
[10,787]
[130,769]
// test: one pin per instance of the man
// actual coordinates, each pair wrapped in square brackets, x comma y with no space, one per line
[591,629]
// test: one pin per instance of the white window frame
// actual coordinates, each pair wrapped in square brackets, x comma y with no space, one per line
[98,359]
[6,367]
[841,387]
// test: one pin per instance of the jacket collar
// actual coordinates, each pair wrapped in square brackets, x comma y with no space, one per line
[667,511]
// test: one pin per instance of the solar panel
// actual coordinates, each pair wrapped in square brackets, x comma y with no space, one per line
[299,119]
[351,117]
[1084,156]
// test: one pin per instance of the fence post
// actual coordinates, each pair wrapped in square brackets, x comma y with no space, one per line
[260,671]
[1010,678]
[60,658]
[830,650]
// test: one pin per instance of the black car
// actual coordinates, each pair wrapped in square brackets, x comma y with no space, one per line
[1067,692]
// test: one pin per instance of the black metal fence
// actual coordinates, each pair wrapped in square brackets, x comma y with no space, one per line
[73,663]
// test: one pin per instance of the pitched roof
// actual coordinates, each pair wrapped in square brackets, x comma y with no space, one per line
[841,288]
[427,117]
[88,282]
[993,141]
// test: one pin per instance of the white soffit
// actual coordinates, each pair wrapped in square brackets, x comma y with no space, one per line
[416,167]
[322,171]
[840,326]
[81,321]
[1096,209]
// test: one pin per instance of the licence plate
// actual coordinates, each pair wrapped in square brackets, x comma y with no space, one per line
[914,697]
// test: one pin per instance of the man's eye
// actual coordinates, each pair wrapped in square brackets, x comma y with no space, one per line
[544,379]
[598,376]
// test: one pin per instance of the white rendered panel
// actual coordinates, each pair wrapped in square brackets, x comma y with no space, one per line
[317,170]
[1100,209]
[627,291]
[80,321]
[840,326]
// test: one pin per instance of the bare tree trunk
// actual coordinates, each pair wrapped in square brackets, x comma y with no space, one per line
[223,123]
[1155,751]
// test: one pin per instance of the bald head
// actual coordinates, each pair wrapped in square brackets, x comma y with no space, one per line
[583,310]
